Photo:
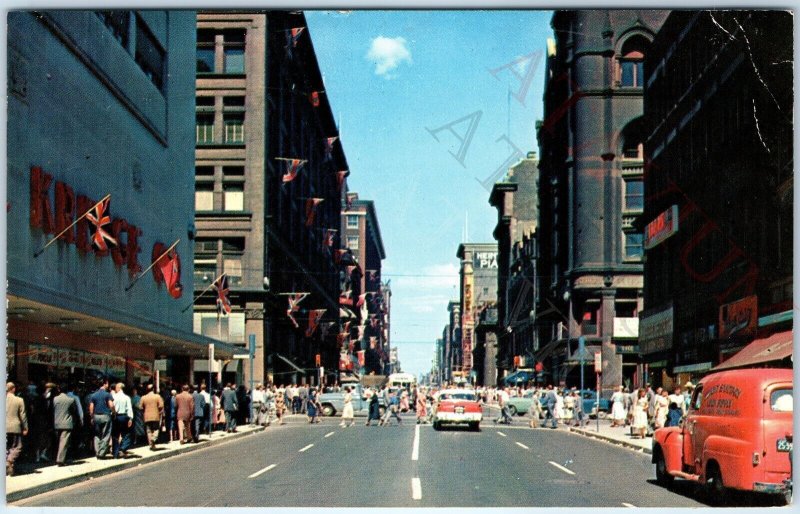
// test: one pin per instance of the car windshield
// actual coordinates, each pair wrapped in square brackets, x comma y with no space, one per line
[457,396]
[781,400]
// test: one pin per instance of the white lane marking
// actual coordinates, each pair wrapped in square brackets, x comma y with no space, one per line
[304,449]
[262,471]
[415,447]
[629,505]
[562,468]
[329,434]
[416,489]
[502,434]
[522,445]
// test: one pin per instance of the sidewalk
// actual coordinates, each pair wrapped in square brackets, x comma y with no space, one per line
[32,479]
[615,435]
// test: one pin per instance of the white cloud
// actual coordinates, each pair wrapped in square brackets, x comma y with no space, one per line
[387,54]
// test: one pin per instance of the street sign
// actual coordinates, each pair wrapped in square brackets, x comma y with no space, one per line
[252,345]
[598,362]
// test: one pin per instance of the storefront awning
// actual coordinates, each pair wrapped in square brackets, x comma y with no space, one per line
[517,377]
[773,348]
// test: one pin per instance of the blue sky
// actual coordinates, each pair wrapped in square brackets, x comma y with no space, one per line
[394,78]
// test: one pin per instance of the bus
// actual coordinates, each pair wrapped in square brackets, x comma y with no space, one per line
[404,380]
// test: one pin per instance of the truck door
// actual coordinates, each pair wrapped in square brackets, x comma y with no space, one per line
[689,428]
[777,428]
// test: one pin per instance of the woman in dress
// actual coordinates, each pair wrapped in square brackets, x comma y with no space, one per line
[618,408]
[661,410]
[173,416]
[421,407]
[404,406]
[559,410]
[640,414]
[374,409]
[347,411]
[569,407]
[311,406]
[280,405]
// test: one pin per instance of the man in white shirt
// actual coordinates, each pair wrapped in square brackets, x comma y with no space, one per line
[122,423]
[259,405]
[677,397]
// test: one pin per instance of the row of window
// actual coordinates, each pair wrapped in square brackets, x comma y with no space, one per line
[231,196]
[233,128]
[136,38]
[220,51]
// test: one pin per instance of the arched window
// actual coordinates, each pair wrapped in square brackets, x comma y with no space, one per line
[631,62]
[632,137]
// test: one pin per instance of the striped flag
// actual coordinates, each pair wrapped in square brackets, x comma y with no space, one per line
[313,320]
[223,302]
[99,224]
[292,169]
[329,147]
[340,176]
[311,209]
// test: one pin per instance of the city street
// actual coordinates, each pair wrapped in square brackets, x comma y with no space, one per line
[327,465]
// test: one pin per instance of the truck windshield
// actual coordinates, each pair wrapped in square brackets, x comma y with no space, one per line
[781,400]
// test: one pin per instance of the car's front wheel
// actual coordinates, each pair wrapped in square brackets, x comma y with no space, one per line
[328,410]
[437,425]
[663,477]
[512,409]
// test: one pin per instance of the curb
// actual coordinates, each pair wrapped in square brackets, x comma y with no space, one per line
[626,444]
[87,475]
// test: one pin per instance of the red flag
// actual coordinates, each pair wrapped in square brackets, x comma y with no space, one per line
[313,320]
[294,300]
[344,298]
[340,176]
[170,267]
[345,363]
[361,299]
[314,98]
[311,210]
[292,169]
[329,147]
[340,337]
[99,223]
[223,303]
[295,33]
[361,358]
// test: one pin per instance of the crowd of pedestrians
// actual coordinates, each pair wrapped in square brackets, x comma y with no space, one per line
[647,409]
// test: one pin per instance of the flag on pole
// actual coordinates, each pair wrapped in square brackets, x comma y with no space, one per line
[99,223]
[344,298]
[361,299]
[223,302]
[314,98]
[292,36]
[311,209]
[170,267]
[294,300]
[340,176]
[295,34]
[292,169]
[345,363]
[313,320]
[361,358]
[329,147]
[346,328]
[360,329]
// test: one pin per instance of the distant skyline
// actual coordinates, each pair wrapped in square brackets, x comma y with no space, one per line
[433,107]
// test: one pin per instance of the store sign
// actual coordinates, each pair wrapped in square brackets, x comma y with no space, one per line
[115,366]
[42,354]
[655,331]
[739,318]
[96,361]
[485,260]
[627,349]
[53,217]
[661,228]
[142,369]
[71,358]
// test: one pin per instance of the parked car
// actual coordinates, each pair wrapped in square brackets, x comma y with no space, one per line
[333,403]
[456,407]
[737,434]
[520,405]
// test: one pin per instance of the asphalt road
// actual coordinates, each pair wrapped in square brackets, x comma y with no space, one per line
[325,465]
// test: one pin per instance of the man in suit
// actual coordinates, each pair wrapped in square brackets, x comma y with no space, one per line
[184,412]
[153,410]
[16,426]
[230,406]
[65,420]
[199,413]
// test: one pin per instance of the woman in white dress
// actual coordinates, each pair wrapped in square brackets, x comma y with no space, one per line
[569,408]
[559,413]
[618,408]
[661,409]
[347,411]
[640,414]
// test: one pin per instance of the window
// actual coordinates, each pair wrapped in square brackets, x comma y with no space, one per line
[352,242]
[228,328]
[633,246]
[149,55]
[204,197]
[234,196]
[233,102]
[234,128]
[233,244]
[205,51]
[204,171]
[697,398]
[233,171]
[634,195]
[205,272]
[781,400]
[232,267]
[118,22]
[234,51]
[205,128]
[631,62]
[352,221]
[204,102]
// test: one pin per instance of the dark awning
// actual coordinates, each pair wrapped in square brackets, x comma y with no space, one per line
[773,348]
[517,377]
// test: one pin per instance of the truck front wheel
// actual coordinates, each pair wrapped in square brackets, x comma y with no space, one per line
[328,410]
[663,477]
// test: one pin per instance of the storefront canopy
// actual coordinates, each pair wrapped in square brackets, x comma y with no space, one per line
[773,348]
